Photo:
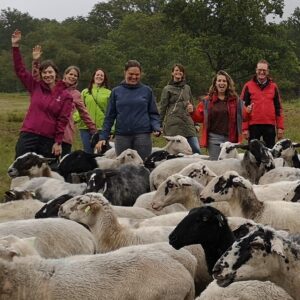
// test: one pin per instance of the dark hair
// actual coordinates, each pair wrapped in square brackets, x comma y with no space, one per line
[49,63]
[131,64]
[92,81]
[180,67]
[230,91]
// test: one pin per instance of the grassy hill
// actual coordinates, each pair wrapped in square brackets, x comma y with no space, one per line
[13,108]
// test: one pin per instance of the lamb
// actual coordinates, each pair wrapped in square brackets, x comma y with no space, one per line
[261,255]
[239,193]
[54,237]
[19,210]
[32,165]
[184,190]
[46,188]
[103,276]
[11,246]
[256,161]
[245,290]
[94,210]
[120,186]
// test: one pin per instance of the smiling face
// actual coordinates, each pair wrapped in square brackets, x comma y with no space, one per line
[133,75]
[177,74]
[262,71]
[71,77]
[49,76]
[221,84]
[99,77]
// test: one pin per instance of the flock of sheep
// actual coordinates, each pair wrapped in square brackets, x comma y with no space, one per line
[175,226]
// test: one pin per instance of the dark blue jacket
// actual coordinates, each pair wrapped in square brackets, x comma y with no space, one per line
[134,109]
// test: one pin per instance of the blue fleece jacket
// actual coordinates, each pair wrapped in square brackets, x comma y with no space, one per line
[134,109]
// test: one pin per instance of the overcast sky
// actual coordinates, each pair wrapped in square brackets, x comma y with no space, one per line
[62,9]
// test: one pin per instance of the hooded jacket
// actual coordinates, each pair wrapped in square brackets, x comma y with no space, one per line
[133,107]
[49,110]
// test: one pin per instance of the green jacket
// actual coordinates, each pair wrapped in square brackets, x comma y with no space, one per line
[173,113]
[96,104]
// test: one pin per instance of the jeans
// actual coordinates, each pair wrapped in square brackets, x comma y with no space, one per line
[142,143]
[214,141]
[194,143]
[86,136]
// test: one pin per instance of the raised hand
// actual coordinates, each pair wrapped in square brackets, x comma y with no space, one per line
[36,52]
[16,38]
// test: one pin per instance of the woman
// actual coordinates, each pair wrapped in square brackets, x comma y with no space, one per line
[95,98]
[49,110]
[175,118]
[70,78]
[133,106]
[221,115]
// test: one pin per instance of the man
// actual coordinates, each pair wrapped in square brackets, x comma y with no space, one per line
[263,115]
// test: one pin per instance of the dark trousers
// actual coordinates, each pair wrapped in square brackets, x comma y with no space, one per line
[31,142]
[266,131]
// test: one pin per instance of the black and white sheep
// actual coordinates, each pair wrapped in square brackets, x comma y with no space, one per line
[239,193]
[261,255]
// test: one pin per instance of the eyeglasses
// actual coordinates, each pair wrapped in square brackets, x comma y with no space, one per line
[261,70]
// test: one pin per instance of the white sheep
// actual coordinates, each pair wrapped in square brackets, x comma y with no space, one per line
[46,188]
[95,211]
[54,237]
[239,193]
[245,290]
[132,212]
[11,246]
[19,210]
[128,273]
[263,254]
[280,174]
[228,150]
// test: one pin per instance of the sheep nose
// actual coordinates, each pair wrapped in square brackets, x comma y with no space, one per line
[12,172]
[217,270]
[207,199]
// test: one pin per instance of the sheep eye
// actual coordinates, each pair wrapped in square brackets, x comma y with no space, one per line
[170,185]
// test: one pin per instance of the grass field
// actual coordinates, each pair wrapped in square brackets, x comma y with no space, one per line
[13,108]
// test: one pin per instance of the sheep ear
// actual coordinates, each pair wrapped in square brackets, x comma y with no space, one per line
[296,145]
[241,146]
[221,220]
[237,182]
[277,246]
[12,252]
[169,138]
[183,182]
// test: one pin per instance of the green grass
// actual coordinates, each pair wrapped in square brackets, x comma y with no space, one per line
[14,106]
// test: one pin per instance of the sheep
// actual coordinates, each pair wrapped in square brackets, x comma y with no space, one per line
[94,210]
[245,290]
[285,148]
[280,174]
[263,254]
[14,195]
[239,193]
[144,201]
[32,165]
[256,161]
[228,150]
[11,246]
[54,237]
[46,188]
[123,274]
[184,190]
[120,186]
[19,210]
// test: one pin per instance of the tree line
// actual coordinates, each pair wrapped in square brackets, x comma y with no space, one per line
[203,35]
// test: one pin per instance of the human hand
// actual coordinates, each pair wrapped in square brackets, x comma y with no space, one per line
[249,108]
[36,52]
[99,145]
[157,133]
[56,149]
[279,134]
[246,134]
[16,38]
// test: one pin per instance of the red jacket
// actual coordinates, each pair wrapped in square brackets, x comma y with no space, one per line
[49,110]
[235,107]
[267,108]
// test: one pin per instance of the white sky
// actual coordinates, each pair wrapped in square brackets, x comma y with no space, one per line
[62,9]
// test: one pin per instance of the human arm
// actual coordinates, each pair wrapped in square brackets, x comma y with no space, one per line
[279,114]
[154,115]
[19,67]
[163,105]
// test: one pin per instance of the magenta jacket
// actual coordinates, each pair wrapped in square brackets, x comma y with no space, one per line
[49,110]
